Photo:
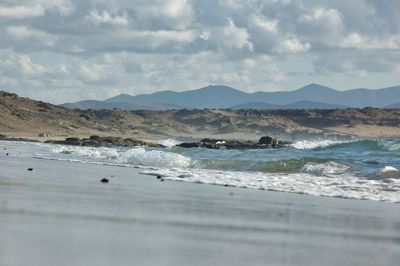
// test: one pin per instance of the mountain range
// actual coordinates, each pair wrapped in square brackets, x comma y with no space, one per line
[312,96]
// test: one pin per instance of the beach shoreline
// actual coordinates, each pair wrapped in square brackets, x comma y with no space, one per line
[62,214]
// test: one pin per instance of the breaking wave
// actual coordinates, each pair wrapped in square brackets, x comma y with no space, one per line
[312,144]
[361,169]
[133,156]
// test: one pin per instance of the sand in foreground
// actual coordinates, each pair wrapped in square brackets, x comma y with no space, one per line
[61,214]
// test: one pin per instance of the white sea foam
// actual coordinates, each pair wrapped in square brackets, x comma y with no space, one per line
[338,185]
[312,144]
[387,169]
[134,156]
[92,152]
[169,142]
[388,173]
[139,156]
[324,179]
[327,168]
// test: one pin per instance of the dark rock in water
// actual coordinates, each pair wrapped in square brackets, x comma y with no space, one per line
[267,140]
[96,141]
[159,177]
[264,143]
[30,169]
[7,154]
[104,180]
[162,179]
[94,137]
[73,139]
[189,145]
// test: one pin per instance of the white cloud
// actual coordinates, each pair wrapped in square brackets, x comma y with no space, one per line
[19,66]
[28,68]
[163,14]
[104,17]
[21,12]
[24,33]
[322,23]
[92,72]
[152,39]
[265,24]
[62,7]
[357,41]
[235,37]
[292,46]
[176,8]
[95,47]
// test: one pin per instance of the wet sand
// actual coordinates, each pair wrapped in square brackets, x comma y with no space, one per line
[61,214]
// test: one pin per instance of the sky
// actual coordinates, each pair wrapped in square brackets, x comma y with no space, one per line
[69,50]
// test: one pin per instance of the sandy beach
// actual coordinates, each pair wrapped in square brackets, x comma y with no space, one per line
[61,214]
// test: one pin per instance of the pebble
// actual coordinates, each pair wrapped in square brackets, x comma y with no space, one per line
[30,169]
[159,177]
[104,180]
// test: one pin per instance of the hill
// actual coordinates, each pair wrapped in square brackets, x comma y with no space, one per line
[23,117]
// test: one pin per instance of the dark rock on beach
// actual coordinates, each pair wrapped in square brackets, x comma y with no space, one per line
[104,180]
[264,143]
[97,141]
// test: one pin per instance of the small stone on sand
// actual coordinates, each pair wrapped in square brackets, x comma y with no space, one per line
[104,180]
[30,169]
[159,177]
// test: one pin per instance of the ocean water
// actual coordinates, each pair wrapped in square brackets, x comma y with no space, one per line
[358,169]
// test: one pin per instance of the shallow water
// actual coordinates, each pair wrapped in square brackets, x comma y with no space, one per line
[361,169]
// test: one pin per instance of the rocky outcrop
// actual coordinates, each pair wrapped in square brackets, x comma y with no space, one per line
[96,141]
[264,143]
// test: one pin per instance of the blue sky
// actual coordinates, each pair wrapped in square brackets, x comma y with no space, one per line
[67,50]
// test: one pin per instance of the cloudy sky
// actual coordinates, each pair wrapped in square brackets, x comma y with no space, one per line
[67,50]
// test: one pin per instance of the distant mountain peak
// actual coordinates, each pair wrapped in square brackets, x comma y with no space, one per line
[124,94]
[217,87]
[315,87]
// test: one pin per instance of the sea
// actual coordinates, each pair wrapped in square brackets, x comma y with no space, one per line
[364,169]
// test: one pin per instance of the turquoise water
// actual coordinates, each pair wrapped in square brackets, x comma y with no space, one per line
[363,157]
[361,169]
